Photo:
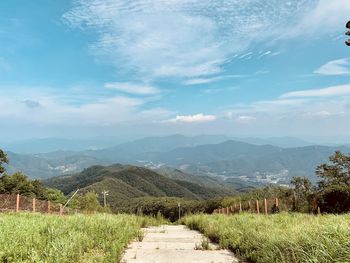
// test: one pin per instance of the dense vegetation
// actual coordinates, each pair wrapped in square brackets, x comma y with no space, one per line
[125,183]
[167,206]
[281,237]
[331,194]
[54,239]
[18,183]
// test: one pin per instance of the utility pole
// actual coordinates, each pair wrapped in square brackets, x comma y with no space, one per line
[179,205]
[105,193]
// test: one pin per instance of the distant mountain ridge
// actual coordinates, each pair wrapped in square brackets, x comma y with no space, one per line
[47,145]
[130,150]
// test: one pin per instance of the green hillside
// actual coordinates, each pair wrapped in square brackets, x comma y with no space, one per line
[125,182]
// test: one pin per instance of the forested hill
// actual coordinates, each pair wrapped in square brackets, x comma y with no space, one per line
[126,181]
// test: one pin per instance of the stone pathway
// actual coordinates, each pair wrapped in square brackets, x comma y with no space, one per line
[174,244]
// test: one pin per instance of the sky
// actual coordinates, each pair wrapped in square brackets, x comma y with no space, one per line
[87,68]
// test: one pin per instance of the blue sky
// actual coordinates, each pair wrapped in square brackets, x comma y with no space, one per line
[238,67]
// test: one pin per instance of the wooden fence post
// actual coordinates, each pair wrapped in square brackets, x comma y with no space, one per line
[48,207]
[265,205]
[17,203]
[227,210]
[61,210]
[250,206]
[240,206]
[33,205]
[276,202]
[257,207]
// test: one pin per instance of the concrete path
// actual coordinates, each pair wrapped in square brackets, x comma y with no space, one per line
[174,244]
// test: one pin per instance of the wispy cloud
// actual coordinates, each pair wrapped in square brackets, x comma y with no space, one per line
[181,38]
[268,53]
[132,88]
[246,119]
[45,108]
[335,67]
[318,21]
[325,109]
[324,92]
[192,118]
[198,81]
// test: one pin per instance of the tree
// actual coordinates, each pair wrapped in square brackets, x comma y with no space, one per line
[334,188]
[3,160]
[302,186]
[17,183]
[54,195]
[89,202]
[337,173]
[302,193]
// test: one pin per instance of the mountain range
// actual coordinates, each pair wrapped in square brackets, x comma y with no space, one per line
[239,163]
[47,145]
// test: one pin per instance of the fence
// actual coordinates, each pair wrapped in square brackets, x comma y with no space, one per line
[266,206]
[17,203]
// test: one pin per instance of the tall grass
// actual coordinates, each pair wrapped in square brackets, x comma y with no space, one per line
[282,237]
[79,238]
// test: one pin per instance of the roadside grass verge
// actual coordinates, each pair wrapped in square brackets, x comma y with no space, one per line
[26,237]
[285,237]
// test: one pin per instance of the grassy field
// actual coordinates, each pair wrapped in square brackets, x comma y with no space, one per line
[78,238]
[279,238]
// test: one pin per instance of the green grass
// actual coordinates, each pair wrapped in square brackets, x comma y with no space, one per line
[80,238]
[279,238]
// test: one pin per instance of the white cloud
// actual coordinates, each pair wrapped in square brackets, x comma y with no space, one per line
[198,81]
[246,119]
[323,19]
[181,38]
[317,114]
[132,88]
[246,55]
[265,54]
[335,67]
[47,109]
[192,118]
[325,92]
[322,112]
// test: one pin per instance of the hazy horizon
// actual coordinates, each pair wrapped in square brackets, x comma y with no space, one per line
[52,144]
